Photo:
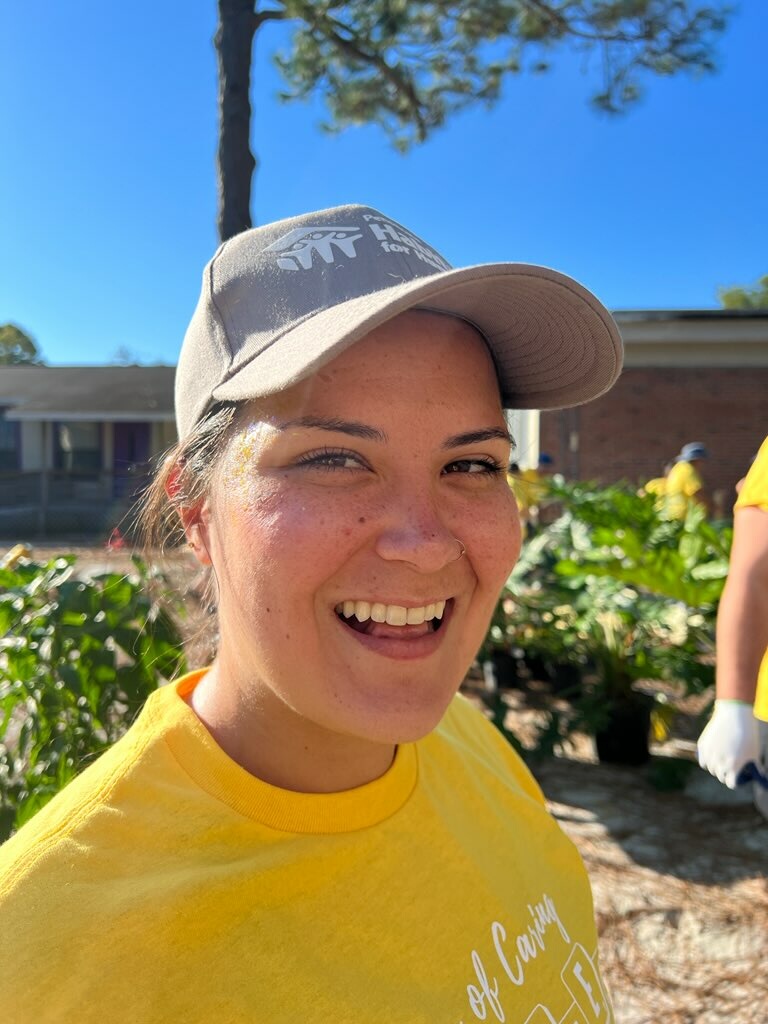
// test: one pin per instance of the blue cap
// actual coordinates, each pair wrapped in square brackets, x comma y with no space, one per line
[693,450]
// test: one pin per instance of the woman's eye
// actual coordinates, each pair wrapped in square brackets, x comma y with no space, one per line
[485,467]
[331,459]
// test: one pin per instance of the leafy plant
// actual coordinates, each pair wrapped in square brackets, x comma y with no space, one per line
[78,658]
[614,592]
[627,539]
[634,593]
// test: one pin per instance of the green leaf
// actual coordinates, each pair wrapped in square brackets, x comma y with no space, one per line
[64,693]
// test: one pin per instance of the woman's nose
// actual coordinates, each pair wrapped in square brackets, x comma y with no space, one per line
[418,535]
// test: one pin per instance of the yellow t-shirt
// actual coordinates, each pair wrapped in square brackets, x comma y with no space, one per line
[528,487]
[683,483]
[754,493]
[656,486]
[166,884]
[516,485]
[535,484]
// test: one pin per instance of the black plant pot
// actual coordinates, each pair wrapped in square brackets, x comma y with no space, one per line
[565,679]
[505,668]
[625,737]
[537,666]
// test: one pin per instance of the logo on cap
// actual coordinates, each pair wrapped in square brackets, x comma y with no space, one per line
[297,249]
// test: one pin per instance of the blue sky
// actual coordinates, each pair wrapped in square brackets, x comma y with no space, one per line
[108,189]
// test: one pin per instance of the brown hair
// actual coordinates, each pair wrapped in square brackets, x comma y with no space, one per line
[185,473]
[183,478]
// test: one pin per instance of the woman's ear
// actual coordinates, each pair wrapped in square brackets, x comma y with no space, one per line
[196,528]
[194,517]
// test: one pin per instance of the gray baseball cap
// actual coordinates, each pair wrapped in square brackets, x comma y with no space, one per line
[280,301]
[692,450]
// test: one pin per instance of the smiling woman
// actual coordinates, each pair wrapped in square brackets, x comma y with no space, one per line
[315,827]
[313,508]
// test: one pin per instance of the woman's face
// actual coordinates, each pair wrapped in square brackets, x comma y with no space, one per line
[348,498]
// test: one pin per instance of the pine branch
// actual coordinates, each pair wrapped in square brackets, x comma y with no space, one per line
[332,29]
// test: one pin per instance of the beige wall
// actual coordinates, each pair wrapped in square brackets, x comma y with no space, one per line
[162,437]
[32,455]
[107,446]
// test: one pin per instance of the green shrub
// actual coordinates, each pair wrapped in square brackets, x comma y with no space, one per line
[78,658]
[613,584]
[622,535]
[616,593]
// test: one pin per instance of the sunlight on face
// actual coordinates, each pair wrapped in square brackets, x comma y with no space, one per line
[356,490]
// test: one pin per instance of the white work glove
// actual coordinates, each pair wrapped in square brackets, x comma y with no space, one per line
[730,741]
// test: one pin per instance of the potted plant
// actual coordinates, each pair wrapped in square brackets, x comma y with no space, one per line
[540,616]
[542,624]
[497,656]
[608,597]
[631,637]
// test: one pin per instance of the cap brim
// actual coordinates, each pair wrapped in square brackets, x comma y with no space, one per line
[554,344]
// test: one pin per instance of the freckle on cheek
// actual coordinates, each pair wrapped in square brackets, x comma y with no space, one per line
[361,519]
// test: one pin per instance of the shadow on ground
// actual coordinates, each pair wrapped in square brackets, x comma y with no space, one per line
[702,834]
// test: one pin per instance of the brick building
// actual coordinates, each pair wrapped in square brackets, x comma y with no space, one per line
[688,375]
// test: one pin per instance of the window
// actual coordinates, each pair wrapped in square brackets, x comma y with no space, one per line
[9,444]
[77,447]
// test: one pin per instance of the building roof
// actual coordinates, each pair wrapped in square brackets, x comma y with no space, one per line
[105,393]
[694,338]
[638,315]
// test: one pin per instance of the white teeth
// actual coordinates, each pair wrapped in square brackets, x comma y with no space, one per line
[362,611]
[379,612]
[396,615]
[392,614]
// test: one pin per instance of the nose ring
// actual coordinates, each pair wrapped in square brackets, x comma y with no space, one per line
[462,552]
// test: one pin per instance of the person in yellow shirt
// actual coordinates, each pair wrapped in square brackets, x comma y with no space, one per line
[316,827]
[526,486]
[516,484]
[734,745]
[657,487]
[684,483]
[530,488]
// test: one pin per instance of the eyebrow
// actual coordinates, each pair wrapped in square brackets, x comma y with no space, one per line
[355,429]
[476,436]
[351,427]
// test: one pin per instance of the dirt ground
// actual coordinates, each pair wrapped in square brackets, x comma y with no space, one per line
[679,877]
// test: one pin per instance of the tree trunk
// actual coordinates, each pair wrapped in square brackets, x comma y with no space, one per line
[236,163]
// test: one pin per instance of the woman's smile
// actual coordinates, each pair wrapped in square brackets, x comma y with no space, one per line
[394,630]
[365,615]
